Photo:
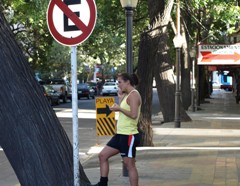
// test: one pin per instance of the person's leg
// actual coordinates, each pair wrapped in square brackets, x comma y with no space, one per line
[132,170]
[108,151]
[128,153]
[103,156]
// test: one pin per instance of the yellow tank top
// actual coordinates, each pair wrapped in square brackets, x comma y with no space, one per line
[126,125]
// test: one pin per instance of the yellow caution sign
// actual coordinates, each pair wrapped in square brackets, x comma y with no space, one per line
[105,123]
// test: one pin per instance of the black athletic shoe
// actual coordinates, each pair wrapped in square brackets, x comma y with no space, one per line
[94,184]
[98,184]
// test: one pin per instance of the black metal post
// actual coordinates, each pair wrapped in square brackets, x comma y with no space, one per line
[129,26]
[193,100]
[198,85]
[193,87]
[177,93]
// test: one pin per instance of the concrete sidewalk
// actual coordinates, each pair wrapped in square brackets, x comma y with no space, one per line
[203,152]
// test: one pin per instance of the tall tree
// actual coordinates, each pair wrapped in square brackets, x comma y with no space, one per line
[31,135]
[163,72]
[156,62]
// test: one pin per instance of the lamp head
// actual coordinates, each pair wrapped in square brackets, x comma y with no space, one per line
[129,3]
[192,52]
[178,41]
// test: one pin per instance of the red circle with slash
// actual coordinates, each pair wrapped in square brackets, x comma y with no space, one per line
[86,29]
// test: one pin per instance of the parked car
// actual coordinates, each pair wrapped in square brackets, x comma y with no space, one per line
[52,95]
[60,86]
[84,90]
[110,88]
[93,85]
[226,87]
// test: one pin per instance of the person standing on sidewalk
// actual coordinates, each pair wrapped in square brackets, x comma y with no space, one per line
[99,87]
[127,137]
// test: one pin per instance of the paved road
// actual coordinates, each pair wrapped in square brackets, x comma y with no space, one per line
[90,104]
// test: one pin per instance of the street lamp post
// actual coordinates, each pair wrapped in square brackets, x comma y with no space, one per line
[193,86]
[193,103]
[178,45]
[129,5]
[177,91]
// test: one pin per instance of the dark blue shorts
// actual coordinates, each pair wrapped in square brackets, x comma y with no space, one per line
[126,144]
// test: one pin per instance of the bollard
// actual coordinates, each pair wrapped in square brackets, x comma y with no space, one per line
[193,99]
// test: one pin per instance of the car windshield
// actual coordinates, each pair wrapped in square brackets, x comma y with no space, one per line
[57,81]
[82,86]
[48,88]
[110,84]
[91,83]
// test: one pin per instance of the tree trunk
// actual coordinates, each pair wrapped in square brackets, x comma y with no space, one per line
[163,72]
[185,72]
[165,83]
[31,135]
[145,74]
[154,61]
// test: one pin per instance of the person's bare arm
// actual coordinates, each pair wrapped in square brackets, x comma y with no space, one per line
[134,101]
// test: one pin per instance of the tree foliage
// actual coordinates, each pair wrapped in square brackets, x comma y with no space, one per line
[107,42]
[106,45]
[214,18]
[27,19]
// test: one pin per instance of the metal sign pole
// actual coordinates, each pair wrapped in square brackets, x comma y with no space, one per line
[75,115]
[72,38]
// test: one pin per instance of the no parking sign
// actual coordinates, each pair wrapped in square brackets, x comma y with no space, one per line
[71,22]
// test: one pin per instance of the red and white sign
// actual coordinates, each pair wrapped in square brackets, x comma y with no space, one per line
[219,54]
[71,22]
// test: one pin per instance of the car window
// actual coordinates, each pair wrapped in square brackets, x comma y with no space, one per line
[82,86]
[57,82]
[91,83]
[110,84]
[48,88]
[54,82]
